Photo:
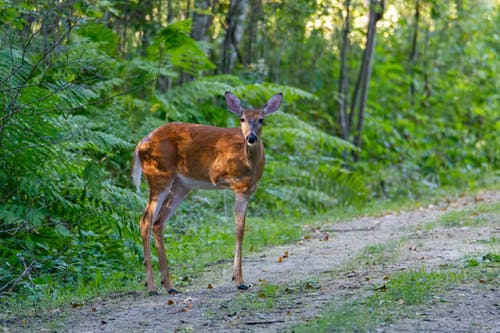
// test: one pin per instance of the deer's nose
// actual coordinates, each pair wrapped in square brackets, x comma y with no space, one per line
[252,138]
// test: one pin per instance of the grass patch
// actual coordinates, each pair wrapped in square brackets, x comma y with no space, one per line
[481,215]
[386,305]
[50,296]
[268,297]
[377,255]
[401,296]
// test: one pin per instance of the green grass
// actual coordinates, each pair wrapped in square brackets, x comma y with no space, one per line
[267,297]
[399,298]
[50,295]
[483,214]
[379,254]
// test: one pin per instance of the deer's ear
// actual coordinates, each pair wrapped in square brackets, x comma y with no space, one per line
[273,104]
[233,104]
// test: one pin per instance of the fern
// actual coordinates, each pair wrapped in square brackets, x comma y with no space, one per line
[14,69]
[71,95]
[257,94]
[294,131]
[184,52]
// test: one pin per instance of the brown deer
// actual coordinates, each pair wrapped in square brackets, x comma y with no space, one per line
[179,157]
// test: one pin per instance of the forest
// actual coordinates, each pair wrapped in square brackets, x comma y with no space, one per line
[384,101]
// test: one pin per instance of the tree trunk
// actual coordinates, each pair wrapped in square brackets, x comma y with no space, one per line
[201,20]
[170,12]
[255,16]
[343,80]
[234,30]
[375,13]
[413,53]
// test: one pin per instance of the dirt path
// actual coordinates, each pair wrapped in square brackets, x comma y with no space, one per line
[322,269]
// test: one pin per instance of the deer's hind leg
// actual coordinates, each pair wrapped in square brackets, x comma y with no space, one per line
[156,200]
[173,200]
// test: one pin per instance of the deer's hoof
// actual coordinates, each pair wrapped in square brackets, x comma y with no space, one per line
[153,293]
[173,291]
[243,287]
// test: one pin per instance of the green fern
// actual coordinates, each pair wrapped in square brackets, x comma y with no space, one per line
[184,52]
[15,68]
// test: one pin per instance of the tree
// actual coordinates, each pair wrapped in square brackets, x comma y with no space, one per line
[360,93]
[202,19]
[234,31]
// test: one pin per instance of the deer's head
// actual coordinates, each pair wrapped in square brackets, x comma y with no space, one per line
[252,119]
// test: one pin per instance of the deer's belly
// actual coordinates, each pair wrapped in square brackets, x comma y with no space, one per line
[197,184]
[238,184]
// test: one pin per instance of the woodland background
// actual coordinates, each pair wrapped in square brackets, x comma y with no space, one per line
[383,100]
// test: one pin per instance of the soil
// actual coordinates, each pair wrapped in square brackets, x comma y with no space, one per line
[325,268]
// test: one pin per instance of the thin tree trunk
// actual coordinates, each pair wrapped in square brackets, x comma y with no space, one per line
[188,8]
[413,53]
[234,30]
[170,11]
[375,13]
[343,80]
[255,16]
[201,20]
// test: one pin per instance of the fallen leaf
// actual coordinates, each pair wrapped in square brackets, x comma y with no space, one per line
[76,305]
[210,286]
[188,307]
[387,277]
[94,310]
[280,259]
[170,302]
[381,288]
[310,285]
[285,255]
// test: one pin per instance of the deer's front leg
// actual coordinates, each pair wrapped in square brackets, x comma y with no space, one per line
[240,209]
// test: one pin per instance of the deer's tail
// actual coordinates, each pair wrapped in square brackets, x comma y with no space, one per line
[137,168]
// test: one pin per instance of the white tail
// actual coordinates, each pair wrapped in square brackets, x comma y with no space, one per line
[136,169]
[178,157]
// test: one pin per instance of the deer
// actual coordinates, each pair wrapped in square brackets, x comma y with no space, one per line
[179,157]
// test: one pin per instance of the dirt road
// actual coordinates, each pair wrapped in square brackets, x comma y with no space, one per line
[292,284]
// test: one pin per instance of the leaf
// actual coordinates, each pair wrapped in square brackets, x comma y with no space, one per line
[184,52]
[60,229]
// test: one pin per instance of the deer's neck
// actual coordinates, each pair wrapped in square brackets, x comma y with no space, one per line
[254,154]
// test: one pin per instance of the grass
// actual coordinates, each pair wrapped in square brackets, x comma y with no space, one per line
[483,214]
[400,297]
[379,254]
[52,297]
[268,297]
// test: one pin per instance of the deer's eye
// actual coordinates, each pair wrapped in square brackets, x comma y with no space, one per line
[261,120]
[242,120]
